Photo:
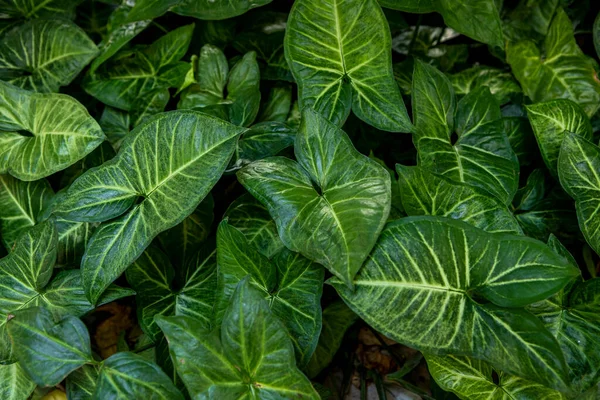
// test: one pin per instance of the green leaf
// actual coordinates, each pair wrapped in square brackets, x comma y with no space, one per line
[185,239]
[340,56]
[38,8]
[291,284]
[216,9]
[152,277]
[530,19]
[115,123]
[46,348]
[20,205]
[532,193]
[331,205]
[43,55]
[481,155]
[59,131]
[243,90]
[551,120]
[473,380]
[250,355]
[134,74]
[440,267]
[596,33]
[150,9]
[502,85]
[563,72]
[171,162]
[277,105]
[263,140]
[521,138]
[81,383]
[269,51]
[16,384]
[478,19]
[337,318]
[251,218]
[426,193]
[128,375]
[410,6]
[578,169]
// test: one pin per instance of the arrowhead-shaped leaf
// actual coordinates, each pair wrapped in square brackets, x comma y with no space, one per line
[428,273]
[16,384]
[171,161]
[563,72]
[129,375]
[46,348]
[20,204]
[579,172]
[426,193]
[291,283]
[481,155]
[551,120]
[330,205]
[61,132]
[473,379]
[250,355]
[44,54]
[340,56]
[155,282]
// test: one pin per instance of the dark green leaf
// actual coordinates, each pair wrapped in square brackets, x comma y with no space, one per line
[38,8]
[217,9]
[411,6]
[81,383]
[243,90]
[263,140]
[502,85]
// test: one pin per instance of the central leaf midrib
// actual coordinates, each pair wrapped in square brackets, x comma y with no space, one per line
[413,285]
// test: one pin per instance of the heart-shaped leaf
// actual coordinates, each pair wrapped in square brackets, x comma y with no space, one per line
[291,283]
[251,353]
[16,384]
[426,193]
[429,271]
[340,56]
[171,161]
[579,172]
[473,380]
[551,120]
[563,72]
[48,349]
[55,138]
[481,154]
[329,206]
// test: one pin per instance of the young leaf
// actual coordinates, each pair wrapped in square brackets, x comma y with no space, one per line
[337,318]
[426,193]
[55,139]
[578,169]
[551,120]
[129,375]
[563,72]
[250,355]
[481,155]
[340,56]
[439,267]
[16,384]
[291,283]
[472,379]
[171,161]
[44,54]
[48,349]
[337,223]
[20,205]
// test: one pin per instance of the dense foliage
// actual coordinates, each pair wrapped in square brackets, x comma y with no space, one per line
[265,185]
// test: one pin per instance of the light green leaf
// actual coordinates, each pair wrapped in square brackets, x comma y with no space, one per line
[330,205]
[579,172]
[439,267]
[171,162]
[251,218]
[291,284]
[472,379]
[563,72]
[38,8]
[426,193]
[337,318]
[81,383]
[340,56]
[43,55]
[410,6]
[55,138]
[250,355]
[152,276]
[185,239]
[16,384]
[134,74]
[551,120]
[46,348]
[216,9]
[20,205]
[128,375]
[481,154]
[502,85]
